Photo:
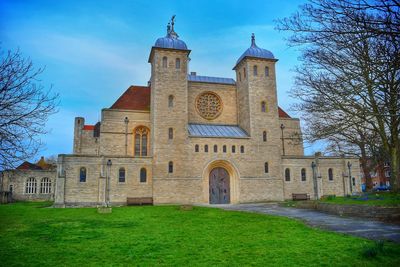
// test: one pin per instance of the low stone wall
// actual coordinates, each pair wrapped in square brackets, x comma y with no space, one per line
[387,214]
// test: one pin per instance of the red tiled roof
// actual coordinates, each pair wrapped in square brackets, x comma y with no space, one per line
[134,98]
[88,127]
[282,113]
[28,166]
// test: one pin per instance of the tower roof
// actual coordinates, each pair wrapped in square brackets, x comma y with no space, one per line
[255,52]
[171,40]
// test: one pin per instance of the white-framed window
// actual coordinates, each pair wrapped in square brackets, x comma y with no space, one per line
[45,186]
[30,186]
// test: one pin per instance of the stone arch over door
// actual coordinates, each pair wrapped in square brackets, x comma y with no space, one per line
[233,179]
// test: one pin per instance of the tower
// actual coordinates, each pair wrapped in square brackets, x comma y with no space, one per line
[257,104]
[169,114]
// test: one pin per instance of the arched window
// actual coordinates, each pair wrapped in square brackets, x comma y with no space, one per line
[177,63]
[266,71]
[196,148]
[141,141]
[164,62]
[82,174]
[241,149]
[303,174]
[170,101]
[121,175]
[330,174]
[244,73]
[215,148]
[170,133]
[255,70]
[30,187]
[233,149]
[143,175]
[266,169]
[11,188]
[265,136]
[224,148]
[205,148]
[263,106]
[170,167]
[287,175]
[45,186]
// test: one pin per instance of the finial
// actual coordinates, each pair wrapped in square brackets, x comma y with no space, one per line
[173,21]
[253,40]
[172,32]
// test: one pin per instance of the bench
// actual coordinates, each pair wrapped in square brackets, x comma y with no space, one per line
[300,196]
[130,201]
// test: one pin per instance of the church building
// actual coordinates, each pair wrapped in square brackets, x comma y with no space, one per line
[191,139]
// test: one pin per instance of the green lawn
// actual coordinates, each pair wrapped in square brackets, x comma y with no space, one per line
[32,235]
[373,199]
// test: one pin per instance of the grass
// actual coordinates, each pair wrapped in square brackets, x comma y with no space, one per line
[387,199]
[32,235]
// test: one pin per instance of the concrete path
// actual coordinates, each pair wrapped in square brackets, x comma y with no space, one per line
[353,226]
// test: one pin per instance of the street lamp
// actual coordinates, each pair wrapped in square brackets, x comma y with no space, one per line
[349,166]
[126,121]
[315,181]
[109,163]
[283,141]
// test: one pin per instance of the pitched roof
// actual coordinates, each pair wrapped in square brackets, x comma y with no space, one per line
[138,98]
[134,98]
[283,114]
[28,166]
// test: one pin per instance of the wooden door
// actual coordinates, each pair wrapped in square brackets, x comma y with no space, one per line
[219,187]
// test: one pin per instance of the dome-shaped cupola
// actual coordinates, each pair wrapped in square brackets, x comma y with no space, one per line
[255,52]
[171,40]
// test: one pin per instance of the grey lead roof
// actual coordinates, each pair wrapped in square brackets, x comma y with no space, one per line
[207,79]
[212,130]
[255,51]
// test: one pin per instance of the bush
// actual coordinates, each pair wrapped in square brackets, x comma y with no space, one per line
[372,252]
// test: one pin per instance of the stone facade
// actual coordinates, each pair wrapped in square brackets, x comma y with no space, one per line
[150,130]
[30,181]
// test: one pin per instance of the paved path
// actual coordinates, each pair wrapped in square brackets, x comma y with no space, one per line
[353,226]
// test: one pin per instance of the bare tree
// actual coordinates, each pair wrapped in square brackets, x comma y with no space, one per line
[349,80]
[24,108]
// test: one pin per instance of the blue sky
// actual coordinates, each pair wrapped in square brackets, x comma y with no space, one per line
[94,50]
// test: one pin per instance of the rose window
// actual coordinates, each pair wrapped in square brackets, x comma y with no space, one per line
[209,105]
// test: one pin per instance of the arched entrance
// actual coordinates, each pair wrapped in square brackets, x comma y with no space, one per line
[219,186]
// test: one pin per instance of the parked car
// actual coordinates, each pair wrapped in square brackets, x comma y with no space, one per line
[381,188]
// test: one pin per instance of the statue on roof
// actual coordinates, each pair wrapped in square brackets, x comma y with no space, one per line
[171,31]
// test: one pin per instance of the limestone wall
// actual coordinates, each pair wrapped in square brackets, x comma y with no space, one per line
[227,93]
[338,186]
[17,180]
[92,192]
[112,134]
[292,136]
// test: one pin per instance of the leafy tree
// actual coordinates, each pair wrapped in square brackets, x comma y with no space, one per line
[24,108]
